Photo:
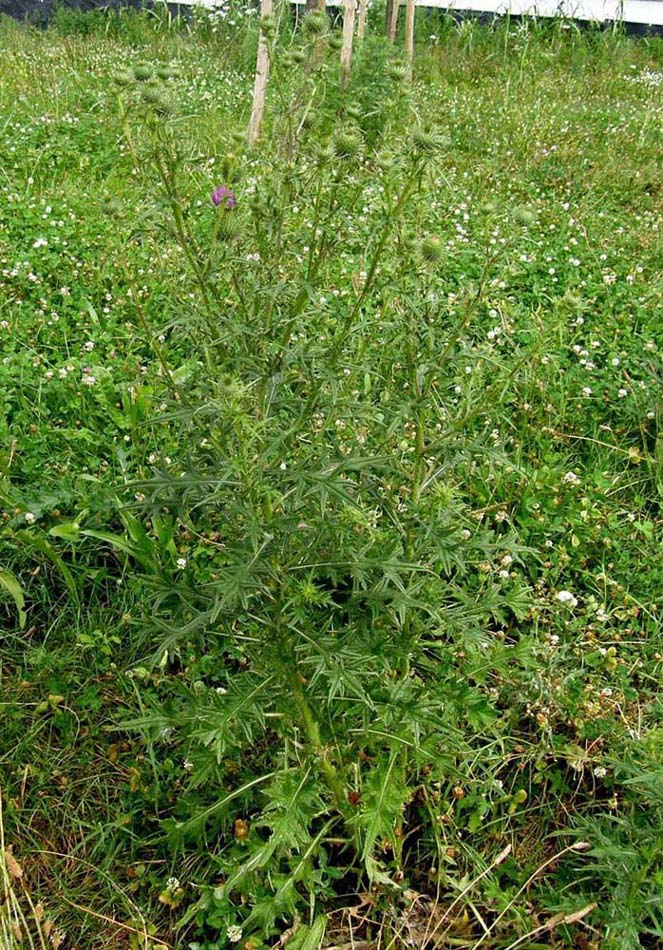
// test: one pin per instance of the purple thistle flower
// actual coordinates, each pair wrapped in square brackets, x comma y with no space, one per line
[223,197]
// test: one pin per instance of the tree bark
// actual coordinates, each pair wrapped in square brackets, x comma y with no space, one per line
[348,36]
[361,25]
[409,35]
[393,20]
[262,75]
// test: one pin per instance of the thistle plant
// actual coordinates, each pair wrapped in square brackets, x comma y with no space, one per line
[328,582]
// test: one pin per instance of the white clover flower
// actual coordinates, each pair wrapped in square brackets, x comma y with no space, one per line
[30,517]
[89,380]
[234,933]
[571,479]
[622,393]
[587,391]
[88,346]
[566,597]
[600,771]
[172,884]
[181,563]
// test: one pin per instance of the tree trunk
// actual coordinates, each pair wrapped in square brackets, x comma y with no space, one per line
[262,74]
[387,16]
[361,26]
[393,21]
[348,35]
[409,35]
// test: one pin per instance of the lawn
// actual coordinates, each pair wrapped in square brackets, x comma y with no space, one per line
[331,476]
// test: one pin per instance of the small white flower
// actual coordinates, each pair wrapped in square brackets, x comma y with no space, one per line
[566,597]
[88,346]
[187,765]
[172,884]
[571,479]
[586,391]
[40,242]
[234,933]
[89,380]
[181,563]
[622,393]
[600,772]
[29,517]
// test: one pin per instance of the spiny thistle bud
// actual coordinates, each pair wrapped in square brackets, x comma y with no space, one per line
[164,72]
[335,40]
[396,71]
[424,142]
[431,248]
[143,73]
[162,106]
[353,111]
[123,78]
[525,217]
[298,56]
[111,206]
[346,143]
[267,26]
[315,23]
[226,227]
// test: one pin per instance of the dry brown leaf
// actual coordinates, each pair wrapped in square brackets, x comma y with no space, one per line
[13,867]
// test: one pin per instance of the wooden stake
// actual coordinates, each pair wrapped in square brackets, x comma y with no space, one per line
[348,35]
[361,26]
[409,35]
[262,75]
[393,22]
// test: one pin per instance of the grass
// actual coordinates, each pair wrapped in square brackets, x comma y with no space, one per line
[330,589]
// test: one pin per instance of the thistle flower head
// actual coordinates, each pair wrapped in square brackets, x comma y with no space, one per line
[223,197]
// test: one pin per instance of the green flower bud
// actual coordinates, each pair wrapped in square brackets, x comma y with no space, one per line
[315,23]
[525,217]
[424,142]
[123,78]
[396,71]
[346,144]
[143,73]
[431,248]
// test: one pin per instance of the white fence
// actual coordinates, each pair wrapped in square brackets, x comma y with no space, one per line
[646,12]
